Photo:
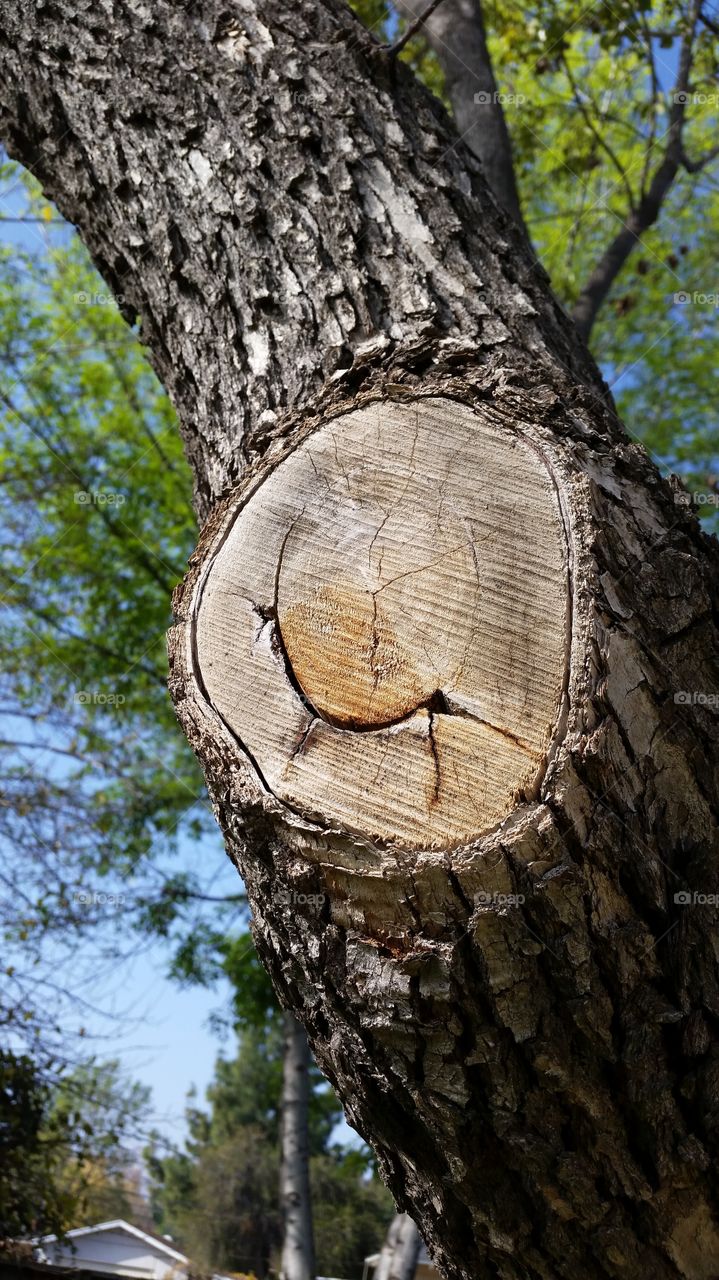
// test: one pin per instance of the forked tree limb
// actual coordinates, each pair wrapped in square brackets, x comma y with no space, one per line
[644,213]
[456,33]
[517,1006]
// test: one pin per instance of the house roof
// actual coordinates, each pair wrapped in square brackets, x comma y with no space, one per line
[158,1243]
[119,1224]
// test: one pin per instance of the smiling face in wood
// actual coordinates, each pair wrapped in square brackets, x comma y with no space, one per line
[385,626]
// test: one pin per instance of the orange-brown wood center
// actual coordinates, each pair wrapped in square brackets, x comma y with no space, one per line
[348,660]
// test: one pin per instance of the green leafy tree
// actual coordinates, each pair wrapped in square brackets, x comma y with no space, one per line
[99,788]
[66,1145]
[114,1114]
[32,1198]
[597,113]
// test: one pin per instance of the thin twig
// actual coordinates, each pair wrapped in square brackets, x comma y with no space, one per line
[709,23]
[695,166]
[392,50]
[599,138]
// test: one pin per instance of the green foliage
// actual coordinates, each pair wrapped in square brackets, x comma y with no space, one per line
[590,91]
[31,1200]
[103,1177]
[223,1207]
[100,786]
[351,1212]
[96,512]
[587,92]
[247,1088]
[64,1145]
[254,1003]
[110,1109]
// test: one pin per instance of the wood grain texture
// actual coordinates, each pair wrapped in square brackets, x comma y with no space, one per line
[385,625]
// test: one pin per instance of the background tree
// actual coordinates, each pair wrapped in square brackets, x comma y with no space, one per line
[600,151]
[66,1146]
[31,1198]
[105,1180]
[219,1198]
[100,786]
[99,790]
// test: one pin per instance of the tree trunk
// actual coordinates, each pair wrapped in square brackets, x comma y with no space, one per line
[509,969]
[400,1251]
[456,33]
[298,1250]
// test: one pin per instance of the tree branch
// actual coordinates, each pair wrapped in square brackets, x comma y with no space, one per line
[241,239]
[647,211]
[600,140]
[457,35]
[412,29]
[696,166]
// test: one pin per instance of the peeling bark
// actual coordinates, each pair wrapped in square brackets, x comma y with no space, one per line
[523,1025]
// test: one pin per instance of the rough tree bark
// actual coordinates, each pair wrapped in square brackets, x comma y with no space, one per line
[524,1021]
[298,1250]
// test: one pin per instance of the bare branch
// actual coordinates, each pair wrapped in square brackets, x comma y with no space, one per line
[394,49]
[646,213]
[601,141]
[709,23]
